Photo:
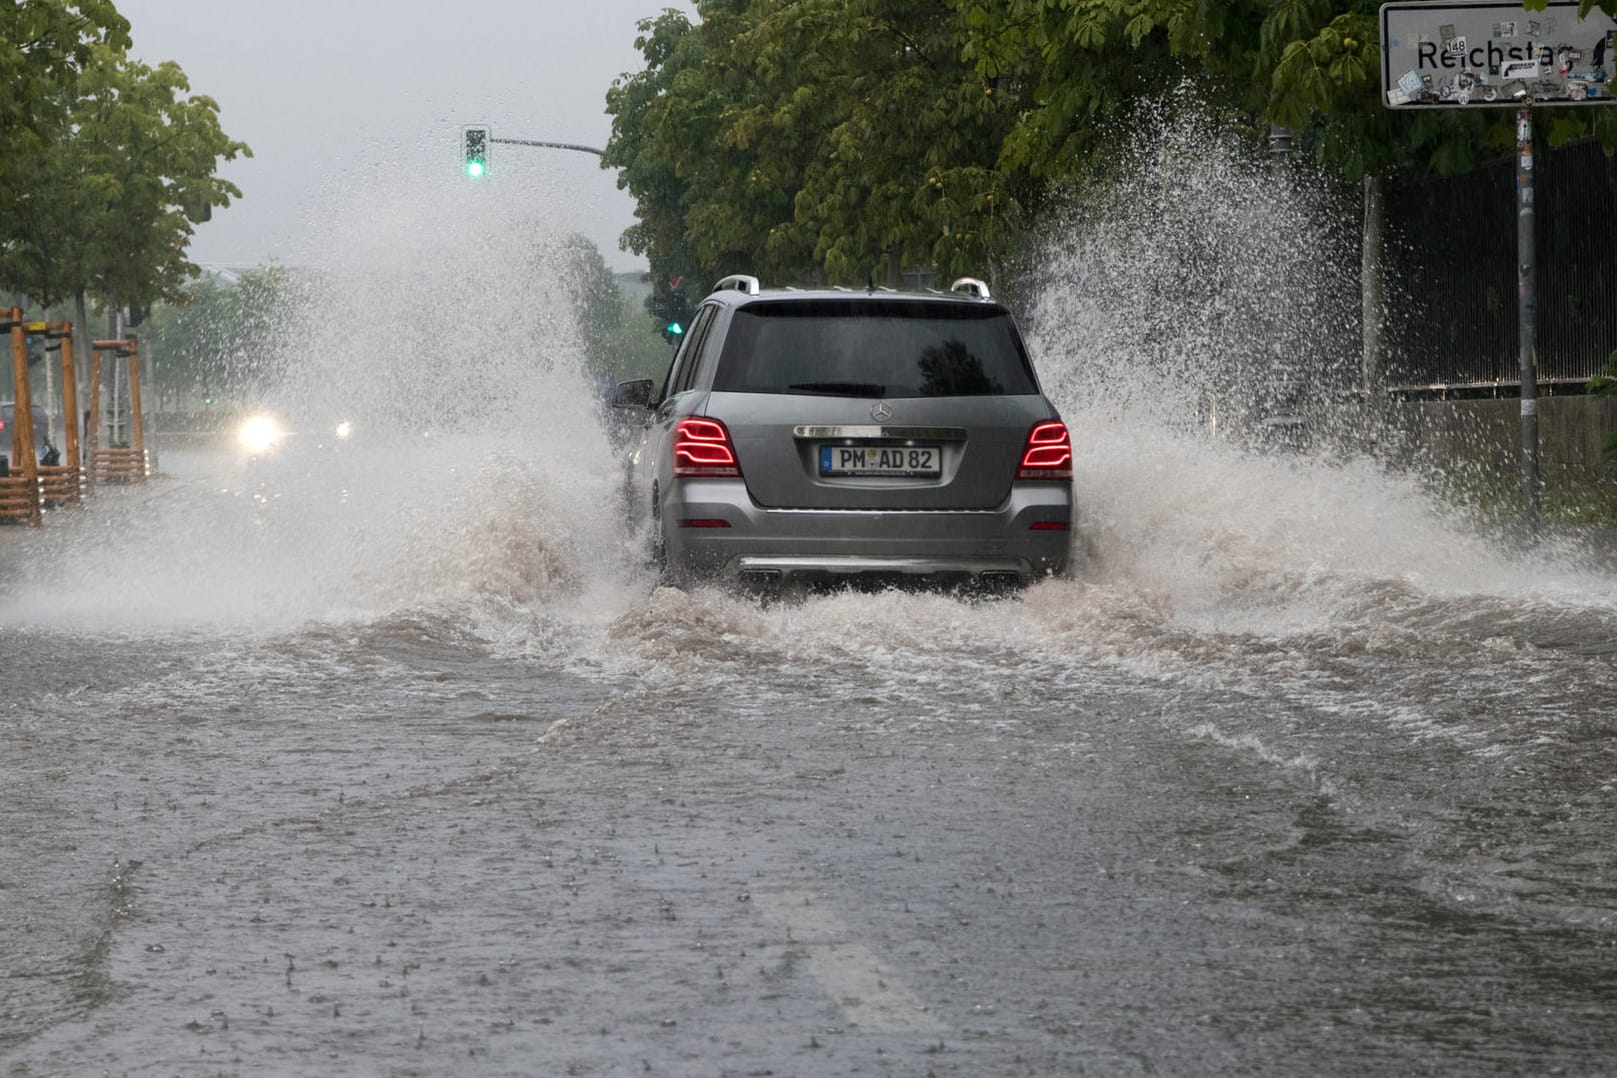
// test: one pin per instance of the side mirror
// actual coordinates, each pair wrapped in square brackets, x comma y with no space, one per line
[635,394]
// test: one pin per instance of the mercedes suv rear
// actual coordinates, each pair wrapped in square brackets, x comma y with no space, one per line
[837,434]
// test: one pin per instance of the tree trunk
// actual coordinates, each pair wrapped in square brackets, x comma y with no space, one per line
[895,266]
[81,361]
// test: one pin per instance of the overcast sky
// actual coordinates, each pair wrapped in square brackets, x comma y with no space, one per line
[324,91]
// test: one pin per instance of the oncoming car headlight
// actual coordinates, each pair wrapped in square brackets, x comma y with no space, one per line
[260,434]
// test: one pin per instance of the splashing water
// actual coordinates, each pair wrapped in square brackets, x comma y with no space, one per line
[1188,314]
[439,323]
[1279,654]
[1200,295]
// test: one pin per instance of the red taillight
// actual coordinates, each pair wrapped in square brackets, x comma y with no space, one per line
[1050,526]
[703,522]
[702,448]
[1048,454]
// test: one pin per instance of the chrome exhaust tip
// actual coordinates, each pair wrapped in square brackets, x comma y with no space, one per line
[760,578]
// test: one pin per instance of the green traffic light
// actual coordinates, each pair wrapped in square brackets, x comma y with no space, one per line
[675,328]
[475,169]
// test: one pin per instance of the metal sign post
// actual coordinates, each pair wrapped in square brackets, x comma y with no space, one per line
[1527,314]
[1500,55]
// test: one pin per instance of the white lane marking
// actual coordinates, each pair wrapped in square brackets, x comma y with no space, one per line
[870,994]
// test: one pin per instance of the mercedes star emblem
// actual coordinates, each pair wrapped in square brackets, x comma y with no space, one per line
[881,413]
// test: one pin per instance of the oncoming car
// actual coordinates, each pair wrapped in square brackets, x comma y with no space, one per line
[836,435]
[261,435]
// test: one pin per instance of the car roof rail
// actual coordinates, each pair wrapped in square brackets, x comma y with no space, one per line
[971,286]
[738,282]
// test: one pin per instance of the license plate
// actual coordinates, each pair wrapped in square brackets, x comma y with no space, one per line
[895,460]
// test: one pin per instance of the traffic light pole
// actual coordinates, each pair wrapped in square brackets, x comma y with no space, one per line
[674,310]
[549,145]
[477,138]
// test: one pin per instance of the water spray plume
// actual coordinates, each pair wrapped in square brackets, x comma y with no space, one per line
[1176,314]
[1197,322]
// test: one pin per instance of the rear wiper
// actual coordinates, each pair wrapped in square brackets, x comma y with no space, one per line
[846,389]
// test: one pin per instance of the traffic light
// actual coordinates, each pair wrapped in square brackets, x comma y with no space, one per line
[673,311]
[475,142]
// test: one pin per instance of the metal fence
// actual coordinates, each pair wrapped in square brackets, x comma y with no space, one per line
[1452,274]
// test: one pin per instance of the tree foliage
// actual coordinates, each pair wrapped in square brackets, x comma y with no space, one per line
[619,343]
[812,140]
[118,160]
[222,341]
[651,123]
[44,45]
[830,140]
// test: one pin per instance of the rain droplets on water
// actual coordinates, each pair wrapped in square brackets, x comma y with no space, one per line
[340,634]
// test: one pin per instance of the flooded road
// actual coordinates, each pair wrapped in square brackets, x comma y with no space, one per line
[309,779]
[392,760]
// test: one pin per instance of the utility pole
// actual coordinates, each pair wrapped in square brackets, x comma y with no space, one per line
[1527,314]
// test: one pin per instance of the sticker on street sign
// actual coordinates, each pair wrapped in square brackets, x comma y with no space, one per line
[1470,55]
[1520,69]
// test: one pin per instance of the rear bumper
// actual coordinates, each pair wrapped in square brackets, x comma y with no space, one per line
[787,543]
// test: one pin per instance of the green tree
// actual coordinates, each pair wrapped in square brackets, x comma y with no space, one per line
[1074,67]
[1313,65]
[906,169]
[44,45]
[813,140]
[654,144]
[837,140]
[224,341]
[107,208]
[619,341]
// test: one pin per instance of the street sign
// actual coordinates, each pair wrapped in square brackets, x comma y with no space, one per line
[1470,55]
[1465,55]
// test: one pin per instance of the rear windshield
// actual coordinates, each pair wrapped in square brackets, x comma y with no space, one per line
[869,348]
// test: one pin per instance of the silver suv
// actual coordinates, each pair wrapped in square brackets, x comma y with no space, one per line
[834,435]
